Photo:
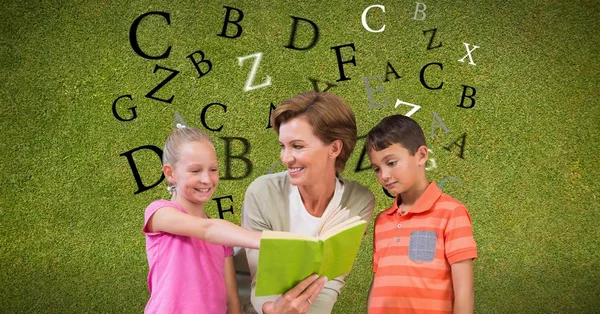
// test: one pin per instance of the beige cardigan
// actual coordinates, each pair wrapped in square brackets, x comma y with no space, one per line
[266,207]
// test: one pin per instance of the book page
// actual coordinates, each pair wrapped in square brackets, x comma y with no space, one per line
[348,224]
[268,234]
[325,218]
[336,218]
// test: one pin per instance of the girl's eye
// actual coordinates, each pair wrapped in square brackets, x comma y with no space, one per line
[391,163]
[214,170]
[376,169]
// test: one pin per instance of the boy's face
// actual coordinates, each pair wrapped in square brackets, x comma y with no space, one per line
[396,169]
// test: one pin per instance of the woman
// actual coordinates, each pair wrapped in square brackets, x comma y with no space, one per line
[317,133]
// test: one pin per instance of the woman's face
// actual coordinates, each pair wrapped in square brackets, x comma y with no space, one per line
[306,157]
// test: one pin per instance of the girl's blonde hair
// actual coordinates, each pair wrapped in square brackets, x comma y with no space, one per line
[181,135]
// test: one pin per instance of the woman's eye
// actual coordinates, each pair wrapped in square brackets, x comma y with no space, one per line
[297,146]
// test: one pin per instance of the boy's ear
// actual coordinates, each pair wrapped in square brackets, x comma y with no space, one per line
[336,149]
[168,171]
[422,155]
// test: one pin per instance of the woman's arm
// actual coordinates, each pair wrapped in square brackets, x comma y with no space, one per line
[217,231]
[464,290]
[233,298]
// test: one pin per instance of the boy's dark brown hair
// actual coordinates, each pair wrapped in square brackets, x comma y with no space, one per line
[396,129]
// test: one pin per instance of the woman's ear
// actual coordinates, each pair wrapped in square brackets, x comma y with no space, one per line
[168,171]
[422,154]
[336,149]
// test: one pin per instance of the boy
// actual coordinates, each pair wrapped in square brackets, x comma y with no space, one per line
[423,244]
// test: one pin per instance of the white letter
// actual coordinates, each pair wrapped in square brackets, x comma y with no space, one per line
[422,11]
[363,18]
[468,54]
[412,111]
[252,73]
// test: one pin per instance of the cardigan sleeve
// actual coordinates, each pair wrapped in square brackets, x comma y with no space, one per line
[254,217]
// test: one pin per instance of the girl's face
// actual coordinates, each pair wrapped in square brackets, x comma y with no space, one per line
[196,174]
[306,157]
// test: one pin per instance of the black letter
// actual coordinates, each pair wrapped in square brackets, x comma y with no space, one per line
[387,72]
[203,115]
[363,152]
[293,34]
[238,32]
[433,30]
[464,94]
[229,157]
[133,36]
[200,73]
[114,109]
[136,174]
[221,211]
[271,108]
[315,83]
[387,193]
[163,83]
[422,75]
[462,145]
[341,63]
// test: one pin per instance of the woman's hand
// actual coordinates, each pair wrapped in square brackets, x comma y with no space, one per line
[298,299]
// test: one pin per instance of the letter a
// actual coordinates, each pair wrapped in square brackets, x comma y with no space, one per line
[462,145]
[252,73]
[440,124]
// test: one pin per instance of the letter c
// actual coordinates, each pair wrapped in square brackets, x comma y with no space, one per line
[363,18]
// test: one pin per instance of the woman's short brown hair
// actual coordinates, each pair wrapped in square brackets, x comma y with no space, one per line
[329,115]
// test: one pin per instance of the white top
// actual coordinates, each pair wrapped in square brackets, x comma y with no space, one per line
[300,220]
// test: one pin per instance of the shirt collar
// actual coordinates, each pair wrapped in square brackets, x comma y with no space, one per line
[424,203]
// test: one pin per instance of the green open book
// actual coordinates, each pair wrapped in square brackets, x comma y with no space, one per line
[287,258]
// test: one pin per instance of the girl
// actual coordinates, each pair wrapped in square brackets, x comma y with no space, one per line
[189,255]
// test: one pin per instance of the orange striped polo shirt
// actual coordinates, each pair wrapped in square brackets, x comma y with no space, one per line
[413,253]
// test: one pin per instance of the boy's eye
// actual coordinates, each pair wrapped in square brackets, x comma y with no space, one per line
[391,163]
[214,169]
[376,169]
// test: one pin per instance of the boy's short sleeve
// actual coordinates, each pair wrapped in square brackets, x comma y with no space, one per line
[459,242]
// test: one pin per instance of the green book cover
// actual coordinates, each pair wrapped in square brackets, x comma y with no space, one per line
[286,258]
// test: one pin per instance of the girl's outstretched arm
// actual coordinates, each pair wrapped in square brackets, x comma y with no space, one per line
[217,231]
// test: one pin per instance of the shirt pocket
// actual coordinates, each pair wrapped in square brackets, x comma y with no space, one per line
[421,247]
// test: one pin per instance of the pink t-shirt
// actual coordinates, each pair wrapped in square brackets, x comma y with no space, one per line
[186,274]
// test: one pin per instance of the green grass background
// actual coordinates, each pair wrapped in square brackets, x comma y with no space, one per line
[70,224]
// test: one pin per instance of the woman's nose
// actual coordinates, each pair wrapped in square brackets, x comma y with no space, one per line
[286,156]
